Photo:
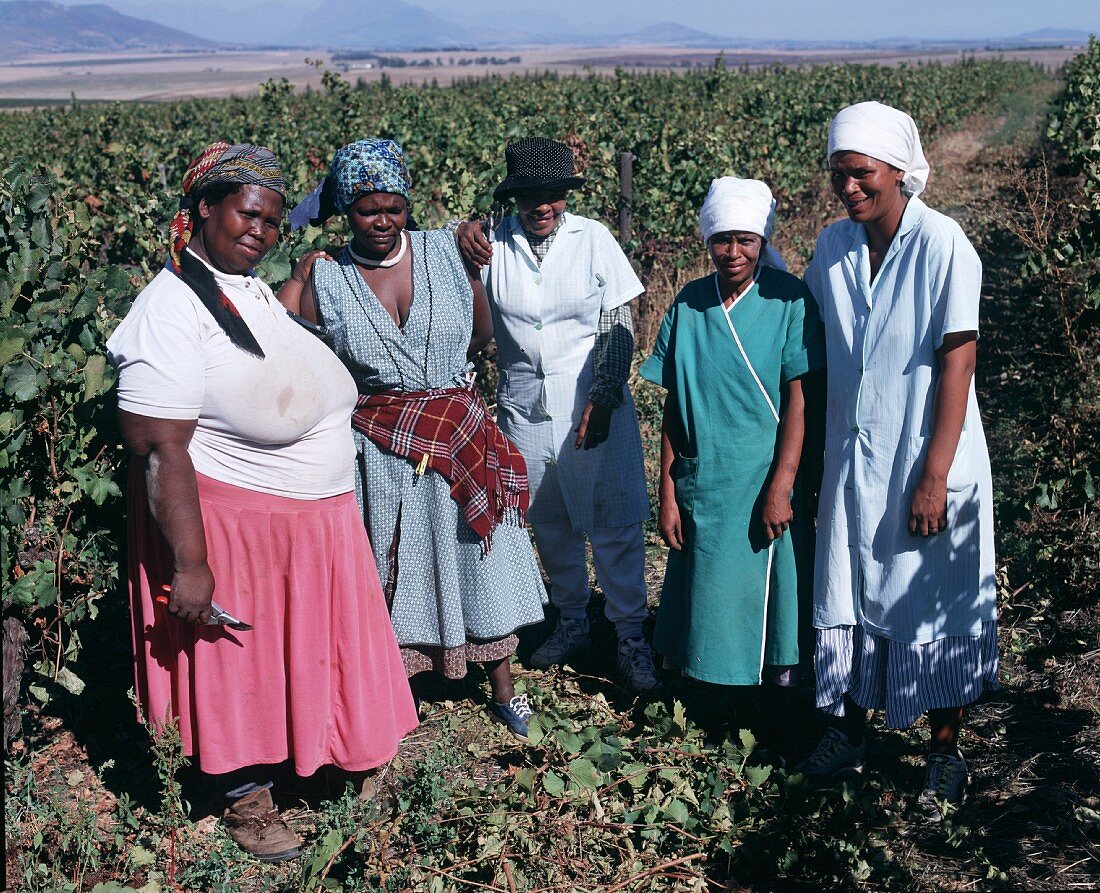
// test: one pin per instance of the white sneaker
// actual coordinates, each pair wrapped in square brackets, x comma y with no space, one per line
[834,758]
[945,782]
[568,637]
[636,665]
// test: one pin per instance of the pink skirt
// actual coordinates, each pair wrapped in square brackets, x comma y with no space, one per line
[318,680]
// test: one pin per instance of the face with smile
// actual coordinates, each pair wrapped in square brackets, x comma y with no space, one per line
[376,221]
[735,255]
[238,230]
[540,212]
[869,189]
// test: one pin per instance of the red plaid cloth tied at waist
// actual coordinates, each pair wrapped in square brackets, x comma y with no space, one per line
[449,431]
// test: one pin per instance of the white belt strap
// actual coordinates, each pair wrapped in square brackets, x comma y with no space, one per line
[740,347]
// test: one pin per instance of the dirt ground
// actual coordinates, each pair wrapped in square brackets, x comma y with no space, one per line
[164,76]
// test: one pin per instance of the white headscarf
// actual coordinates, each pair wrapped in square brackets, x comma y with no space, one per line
[736,205]
[885,133]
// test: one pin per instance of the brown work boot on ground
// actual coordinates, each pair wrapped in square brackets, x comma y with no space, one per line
[258,829]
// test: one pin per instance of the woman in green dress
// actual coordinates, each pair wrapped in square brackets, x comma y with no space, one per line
[731,352]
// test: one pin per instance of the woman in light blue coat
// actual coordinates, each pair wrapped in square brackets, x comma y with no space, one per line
[904,590]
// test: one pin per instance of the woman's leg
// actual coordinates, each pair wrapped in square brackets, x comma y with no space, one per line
[944,724]
[854,722]
[500,680]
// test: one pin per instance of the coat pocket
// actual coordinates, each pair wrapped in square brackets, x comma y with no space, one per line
[683,472]
[961,474]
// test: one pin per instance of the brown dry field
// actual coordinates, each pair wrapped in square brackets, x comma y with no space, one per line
[163,76]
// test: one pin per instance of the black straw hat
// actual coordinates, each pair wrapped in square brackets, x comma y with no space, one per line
[536,164]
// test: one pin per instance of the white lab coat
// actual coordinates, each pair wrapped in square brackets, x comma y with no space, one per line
[545,321]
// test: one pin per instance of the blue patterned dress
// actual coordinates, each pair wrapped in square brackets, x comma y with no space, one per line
[448,604]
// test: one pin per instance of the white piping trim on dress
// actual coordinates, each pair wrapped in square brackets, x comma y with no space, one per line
[764,623]
[740,347]
[771,406]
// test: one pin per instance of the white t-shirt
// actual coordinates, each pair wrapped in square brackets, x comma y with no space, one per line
[278,425]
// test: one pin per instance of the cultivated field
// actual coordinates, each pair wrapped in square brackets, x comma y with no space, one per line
[164,76]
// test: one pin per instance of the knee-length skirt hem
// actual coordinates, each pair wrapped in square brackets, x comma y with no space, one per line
[902,679]
[451,662]
[318,680]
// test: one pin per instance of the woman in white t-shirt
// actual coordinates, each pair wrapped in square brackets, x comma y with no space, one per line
[242,503]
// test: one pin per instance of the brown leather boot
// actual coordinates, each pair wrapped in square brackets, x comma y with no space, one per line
[257,828]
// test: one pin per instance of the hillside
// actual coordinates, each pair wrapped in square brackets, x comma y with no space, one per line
[34,26]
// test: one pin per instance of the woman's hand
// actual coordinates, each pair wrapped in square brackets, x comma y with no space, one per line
[776,512]
[595,426]
[297,291]
[303,269]
[476,250]
[928,510]
[192,592]
[668,523]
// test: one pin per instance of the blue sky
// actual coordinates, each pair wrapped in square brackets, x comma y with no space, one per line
[825,20]
[772,19]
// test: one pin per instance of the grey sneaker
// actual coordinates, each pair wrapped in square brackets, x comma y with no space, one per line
[636,665]
[568,637]
[834,758]
[944,783]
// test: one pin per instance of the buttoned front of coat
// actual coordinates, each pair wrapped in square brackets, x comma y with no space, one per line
[881,339]
[545,321]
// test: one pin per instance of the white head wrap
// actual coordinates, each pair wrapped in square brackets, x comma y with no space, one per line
[885,133]
[736,205]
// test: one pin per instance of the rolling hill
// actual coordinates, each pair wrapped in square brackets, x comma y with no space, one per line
[36,26]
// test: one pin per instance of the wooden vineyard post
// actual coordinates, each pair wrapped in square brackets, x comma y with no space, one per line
[626,195]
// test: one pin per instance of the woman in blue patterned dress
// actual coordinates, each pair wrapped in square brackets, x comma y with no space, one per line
[442,492]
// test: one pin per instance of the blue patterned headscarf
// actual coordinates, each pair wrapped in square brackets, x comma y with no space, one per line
[368,166]
[358,169]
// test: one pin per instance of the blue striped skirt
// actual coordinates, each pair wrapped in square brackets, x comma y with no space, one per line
[905,680]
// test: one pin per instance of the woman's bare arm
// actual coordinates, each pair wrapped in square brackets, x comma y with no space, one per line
[957,357]
[776,511]
[483,318]
[297,291]
[668,516]
[174,503]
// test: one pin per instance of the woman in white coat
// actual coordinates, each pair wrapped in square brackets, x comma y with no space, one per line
[904,590]
[560,289]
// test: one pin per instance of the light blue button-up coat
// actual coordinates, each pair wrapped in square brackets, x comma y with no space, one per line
[881,340]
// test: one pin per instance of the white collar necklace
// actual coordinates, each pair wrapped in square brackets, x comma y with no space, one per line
[386,262]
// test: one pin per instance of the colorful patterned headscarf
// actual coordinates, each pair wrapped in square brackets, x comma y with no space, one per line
[222,162]
[240,164]
[368,166]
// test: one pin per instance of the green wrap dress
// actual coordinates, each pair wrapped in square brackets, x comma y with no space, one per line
[730,600]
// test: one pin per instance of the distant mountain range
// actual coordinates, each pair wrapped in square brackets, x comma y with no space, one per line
[32,26]
[37,26]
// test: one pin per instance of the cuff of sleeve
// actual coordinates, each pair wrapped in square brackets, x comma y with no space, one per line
[625,297]
[182,413]
[606,397]
[653,370]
